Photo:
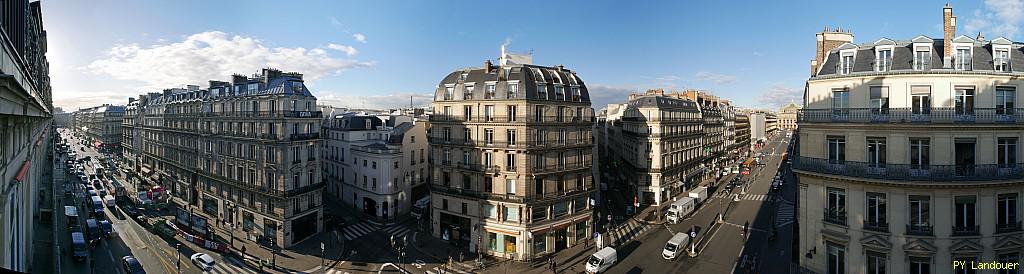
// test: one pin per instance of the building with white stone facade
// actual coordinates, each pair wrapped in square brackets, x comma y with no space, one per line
[242,153]
[511,152]
[909,154]
[375,165]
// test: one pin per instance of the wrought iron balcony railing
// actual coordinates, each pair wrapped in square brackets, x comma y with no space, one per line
[906,172]
[934,115]
[919,230]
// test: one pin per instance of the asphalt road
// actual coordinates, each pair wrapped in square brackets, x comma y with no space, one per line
[156,254]
[724,242]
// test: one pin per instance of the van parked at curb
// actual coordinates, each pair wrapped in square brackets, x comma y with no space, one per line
[602,260]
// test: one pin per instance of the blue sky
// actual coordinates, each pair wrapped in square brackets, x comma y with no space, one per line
[379,53]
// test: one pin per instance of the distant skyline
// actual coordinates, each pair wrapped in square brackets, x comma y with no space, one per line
[377,54]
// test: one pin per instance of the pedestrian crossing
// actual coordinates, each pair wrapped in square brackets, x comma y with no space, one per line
[627,231]
[784,215]
[450,270]
[397,231]
[230,266]
[355,231]
[749,197]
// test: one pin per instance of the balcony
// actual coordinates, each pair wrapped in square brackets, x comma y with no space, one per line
[935,115]
[962,62]
[974,230]
[567,167]
[303,114]
[952,174]
[555,119]
[835,216]
[303,136]
[512,198]
[876,226]
[303,189]
[919,230]
[1007,228]
[263,114]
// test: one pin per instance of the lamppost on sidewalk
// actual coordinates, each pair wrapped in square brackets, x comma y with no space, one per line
[177,265]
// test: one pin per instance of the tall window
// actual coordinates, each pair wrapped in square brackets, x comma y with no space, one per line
[876,262]
[490,89]
[489,136]
[920,100]
[884,60]
[489,113]
[1006,152]
[846,65]
[1007,258]
[920,265]
[1001,59]
[510,186]
[510,161]
[920,214]
[1006,212]
[876,214]
[447,134]
[962,59]
[840,103]
[467,135]
[836,258]
[467,93]
[965,270]
[511,113]
[836,149]
[538,114]
[542,91]
[487,159]
[880,100]
[1004,100]
[963,217]
[467,112]
[964,101]
[919,154]
[876,152]
[449,92]
[922,58]
[836,202]
[513,90]
[511,136]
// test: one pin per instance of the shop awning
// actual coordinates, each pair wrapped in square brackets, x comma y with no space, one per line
[23,171]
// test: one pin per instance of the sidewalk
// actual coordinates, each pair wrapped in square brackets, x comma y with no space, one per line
[302,257]
[43,240]
[569,260]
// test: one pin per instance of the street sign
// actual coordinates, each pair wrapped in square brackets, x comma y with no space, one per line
[693,234]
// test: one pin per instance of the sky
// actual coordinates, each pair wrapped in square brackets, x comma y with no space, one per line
[379,54]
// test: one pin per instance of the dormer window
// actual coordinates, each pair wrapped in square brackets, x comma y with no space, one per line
[962,59]
[536,74]
[846,64]
[449,92]
[1001,59]
[467,93]
[922,58]
[542,91]
[462,77]
[883,59]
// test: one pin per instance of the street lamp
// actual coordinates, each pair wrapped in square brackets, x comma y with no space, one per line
[177,266]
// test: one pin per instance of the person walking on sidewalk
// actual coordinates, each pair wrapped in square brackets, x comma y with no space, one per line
[554,266]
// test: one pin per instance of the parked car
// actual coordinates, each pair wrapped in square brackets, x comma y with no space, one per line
[131,265]
[203,261]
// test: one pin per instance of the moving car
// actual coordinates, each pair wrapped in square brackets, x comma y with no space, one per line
[92,228]
[601,260]
[107,228]
[675,245]
[203,261]
[131,265]
[78,246]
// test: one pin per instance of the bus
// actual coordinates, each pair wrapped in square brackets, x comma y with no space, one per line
[116,188]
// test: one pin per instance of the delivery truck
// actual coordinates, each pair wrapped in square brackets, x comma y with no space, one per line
[680,209]
[699,194]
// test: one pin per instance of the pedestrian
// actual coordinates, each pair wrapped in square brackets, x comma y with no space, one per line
[554,266]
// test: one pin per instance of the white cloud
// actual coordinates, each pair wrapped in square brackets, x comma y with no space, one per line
[998,18]
[348,50]
[602,95]
[779,95]
[359,37]
[715,77]
[213,55]
[387,101]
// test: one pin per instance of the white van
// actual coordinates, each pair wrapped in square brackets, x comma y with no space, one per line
[680,208]
[675,245]
[601,260]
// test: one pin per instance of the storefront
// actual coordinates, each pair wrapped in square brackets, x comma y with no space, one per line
[455,229]
[501,243]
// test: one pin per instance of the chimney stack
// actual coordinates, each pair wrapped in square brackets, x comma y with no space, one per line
[948,31]
[487,66]
[828,40]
